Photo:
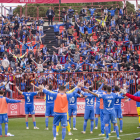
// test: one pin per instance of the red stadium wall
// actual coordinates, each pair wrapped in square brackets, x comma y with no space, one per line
[53,1]
[128,108]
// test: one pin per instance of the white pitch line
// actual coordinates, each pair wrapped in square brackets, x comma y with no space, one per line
[113,136]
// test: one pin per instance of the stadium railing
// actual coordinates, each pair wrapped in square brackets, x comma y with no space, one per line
[118,78]
[37,12]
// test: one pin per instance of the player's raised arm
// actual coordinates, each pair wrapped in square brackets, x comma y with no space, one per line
[87,90]
[12,100]
[18,90]
[47,92]
[135,98]
[35,86]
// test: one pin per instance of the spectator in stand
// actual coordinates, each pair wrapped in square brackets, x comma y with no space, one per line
[63,15]
[56,28]
[70,32]
[50,14]
[10,12]
[92,10]
[70,14]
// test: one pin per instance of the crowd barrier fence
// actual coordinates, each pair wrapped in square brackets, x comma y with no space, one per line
[37,12]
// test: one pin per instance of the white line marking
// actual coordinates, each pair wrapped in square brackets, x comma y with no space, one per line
[113,136]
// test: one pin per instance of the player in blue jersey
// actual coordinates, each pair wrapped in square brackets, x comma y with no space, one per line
[4,111]
[89,110]
[49,105]
[72,108]
[60,107]
[109,111]
[97,108]
[29,105]
[118,109]
[104,91]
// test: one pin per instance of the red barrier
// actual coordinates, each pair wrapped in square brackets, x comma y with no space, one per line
[128,108]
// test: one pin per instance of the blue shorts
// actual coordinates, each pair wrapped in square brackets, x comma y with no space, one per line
[60,117]
[89,114]
[97,109]
[29,109]
[118,113]
[72,111]
[49,111]
[3,118]
[108,117]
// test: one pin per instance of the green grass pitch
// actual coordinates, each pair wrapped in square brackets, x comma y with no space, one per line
[17,127]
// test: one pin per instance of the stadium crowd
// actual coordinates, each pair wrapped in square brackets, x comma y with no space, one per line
[112,58]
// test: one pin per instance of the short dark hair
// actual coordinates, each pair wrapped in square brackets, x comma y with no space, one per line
[138,86]
[28,88]
[90,88]
[108,88]
[105,87]
[1,92]
[61,88]
[116,88]
[50,87]
[72,87]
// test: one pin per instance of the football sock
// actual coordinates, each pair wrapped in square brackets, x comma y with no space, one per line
[54,131]
[63,133]
[0,129]
[34,124]
[85,125]
[26,124]
[46,121]
[91,125]
[74,122]
[121,124]
[96,122]
[106,131]
[6,129]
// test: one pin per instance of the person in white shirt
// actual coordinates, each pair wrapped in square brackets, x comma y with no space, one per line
[7,87]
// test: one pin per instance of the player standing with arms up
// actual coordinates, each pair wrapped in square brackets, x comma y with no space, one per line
[29,105]
[60,107]
[49,105]
[4,110]
[72,109]
[109,111]
[89,110]
[118,109]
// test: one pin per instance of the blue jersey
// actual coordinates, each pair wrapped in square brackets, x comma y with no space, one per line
[97,98]
[117,104]
[137,94]
[54,94]
[73,101]
[89,101]
[108,101]
[50,99]
[29,97]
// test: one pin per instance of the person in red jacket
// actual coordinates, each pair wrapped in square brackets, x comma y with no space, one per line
[135,98]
